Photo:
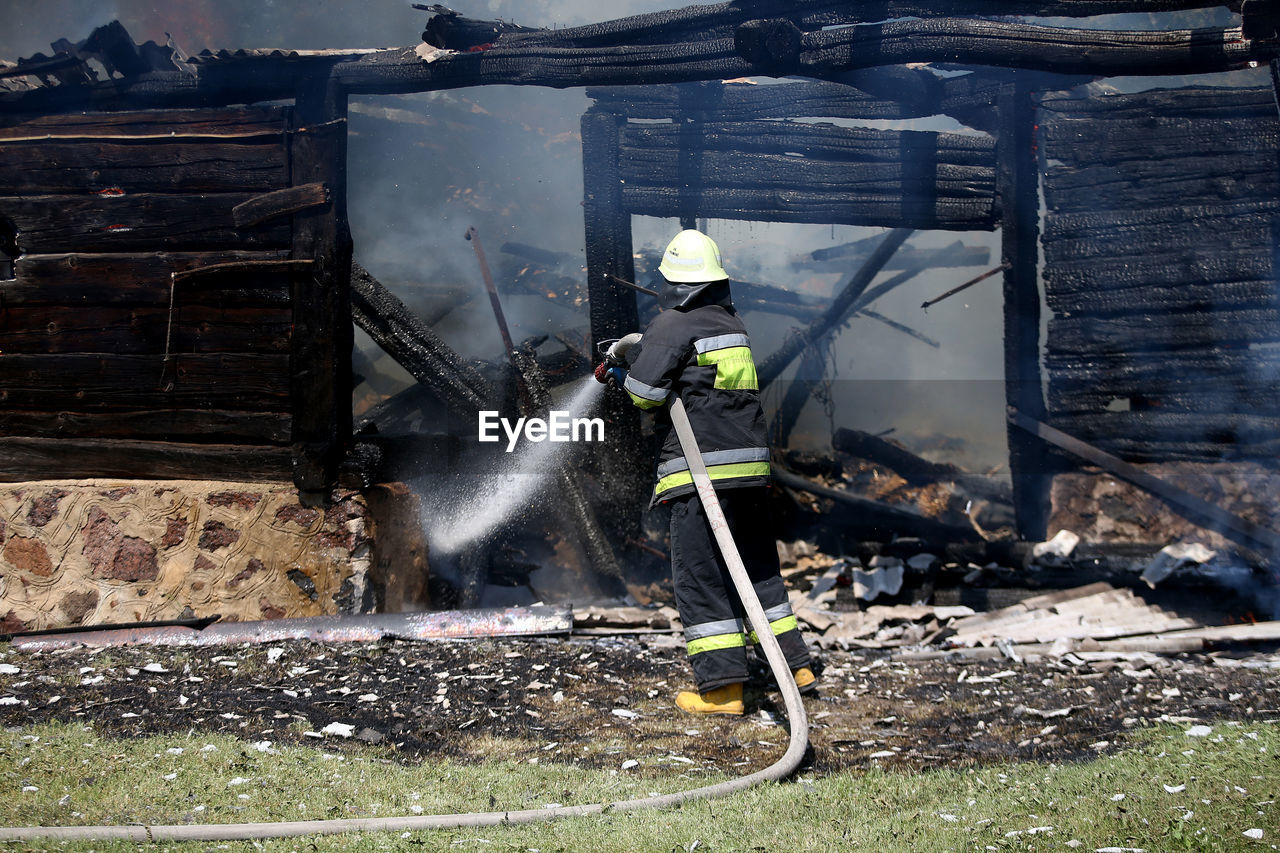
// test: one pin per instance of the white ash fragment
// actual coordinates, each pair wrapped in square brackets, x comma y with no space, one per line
[339,729]
[629,763]
[239,780]
[9,669]
[625,713]
[154,667]
[1060,546]
[1199,731]
[1174,789]
[1255,833]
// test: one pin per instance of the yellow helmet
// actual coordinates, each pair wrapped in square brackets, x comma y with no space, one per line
[690,258]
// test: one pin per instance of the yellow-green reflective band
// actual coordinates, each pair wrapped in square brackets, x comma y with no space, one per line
[779,626]
[716,472]
[716,643]
[643,403]
[735,369]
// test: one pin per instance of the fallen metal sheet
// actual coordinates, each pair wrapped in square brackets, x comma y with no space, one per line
[439,625]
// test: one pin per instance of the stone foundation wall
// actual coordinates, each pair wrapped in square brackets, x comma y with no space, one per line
[1103,509]
[90,552]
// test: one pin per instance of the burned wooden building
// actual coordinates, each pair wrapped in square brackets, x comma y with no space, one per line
[178,294]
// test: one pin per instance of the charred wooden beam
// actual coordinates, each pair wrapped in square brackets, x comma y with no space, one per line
[1195,508]
[447,29]
[280,202]
[43,165]
[613,313]
[869,93]
[416,348]
[915,469]
[133,329]
[1019,196]
[323,335]
[835,258]
[823,53]
[123,223]
[87,382]
[182,425]
[260,278]
[67,458]
[835,313]
[719,20]
[874,516]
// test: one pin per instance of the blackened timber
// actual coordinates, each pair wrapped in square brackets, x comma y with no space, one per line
[1175,268]
[102,223]
[280,202]
[1019,240]
[416,348]
[1131,373]
[67,458]
[323,334]
[135,329]
[1073,105]
[892,92]
[1161,296]
[242,124]
[450,30]
[1193,507]
[946,40]
[183,425]
[1218,178]
[1155,425]
[89,381]
[833,208]
[954,255]
[145,279]
[1033,47]
[613,313]
[915,469]
[835,314]
[166,166]
[718,20]
[818,142]
[1157,332]
[877,517]
[1242,395]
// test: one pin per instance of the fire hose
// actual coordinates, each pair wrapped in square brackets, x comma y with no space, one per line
[783,767]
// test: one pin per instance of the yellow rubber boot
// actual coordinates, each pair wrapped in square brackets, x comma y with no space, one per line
[805,679]
[721,700]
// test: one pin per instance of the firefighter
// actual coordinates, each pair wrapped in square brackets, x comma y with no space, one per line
[697,347]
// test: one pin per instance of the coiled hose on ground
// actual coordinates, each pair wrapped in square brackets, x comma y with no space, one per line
[778,770]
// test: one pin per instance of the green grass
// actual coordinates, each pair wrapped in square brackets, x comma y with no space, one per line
[1231,779]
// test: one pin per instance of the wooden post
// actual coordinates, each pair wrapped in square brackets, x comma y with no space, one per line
[320,353]
[613,313]
[1018,197]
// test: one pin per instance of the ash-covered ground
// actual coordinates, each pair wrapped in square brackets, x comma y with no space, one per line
[601,702]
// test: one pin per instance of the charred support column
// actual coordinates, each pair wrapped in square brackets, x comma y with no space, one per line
[612,307]
[320,353]
[1018,196]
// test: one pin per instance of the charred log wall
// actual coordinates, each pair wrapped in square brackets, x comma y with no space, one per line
[1159,248]
[711,160]
[145,326]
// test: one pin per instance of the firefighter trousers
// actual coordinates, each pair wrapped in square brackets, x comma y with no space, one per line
[716,630]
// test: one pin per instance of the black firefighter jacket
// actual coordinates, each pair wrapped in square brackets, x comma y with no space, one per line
[698,347]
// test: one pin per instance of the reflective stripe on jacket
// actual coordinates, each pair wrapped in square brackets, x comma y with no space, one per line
[700,350]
